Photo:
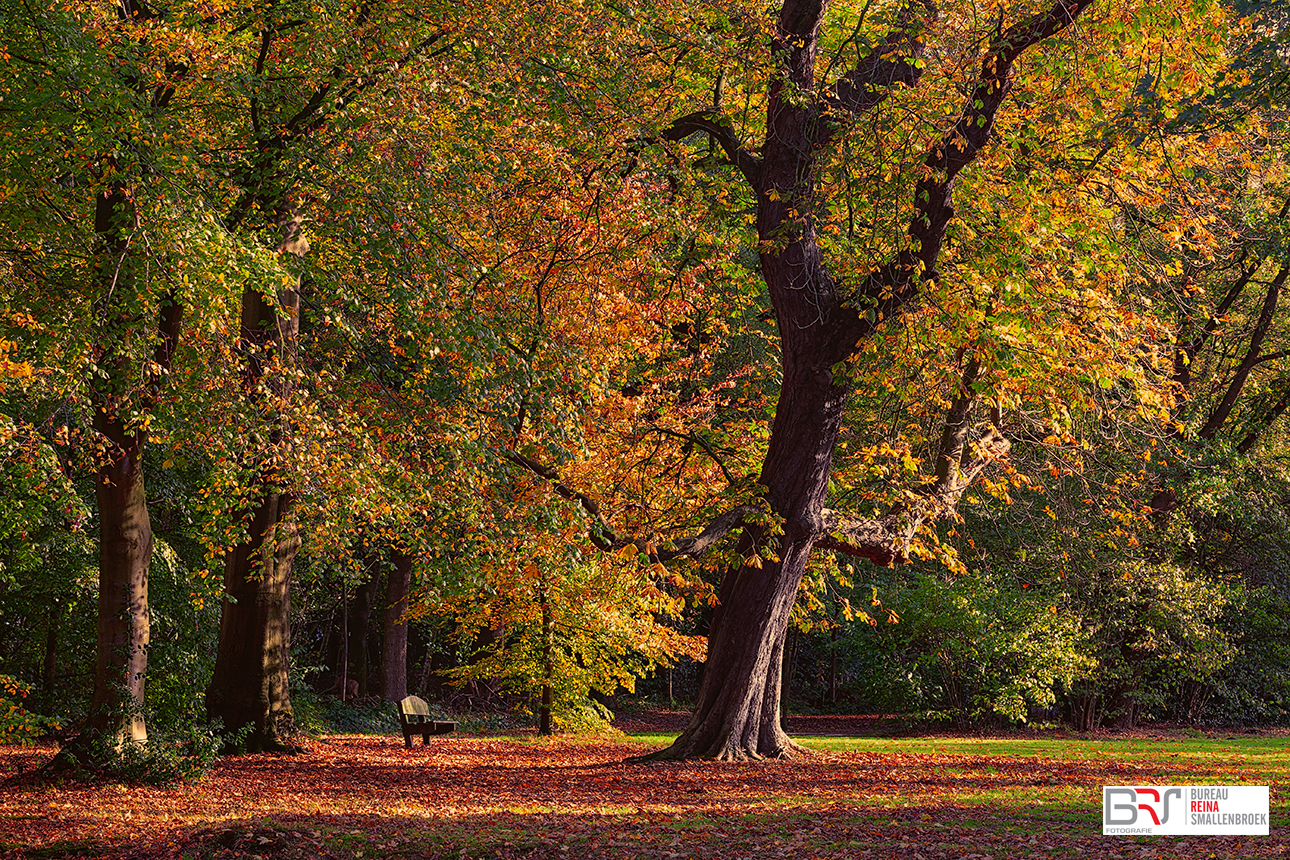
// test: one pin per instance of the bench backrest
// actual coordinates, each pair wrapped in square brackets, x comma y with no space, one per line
[414,706]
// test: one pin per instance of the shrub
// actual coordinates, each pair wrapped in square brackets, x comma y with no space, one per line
[17,724]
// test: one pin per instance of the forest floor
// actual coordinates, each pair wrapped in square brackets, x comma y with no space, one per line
[931,797]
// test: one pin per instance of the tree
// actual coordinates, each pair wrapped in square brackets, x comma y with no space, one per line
[136,311]
[821,322]
[278,146]
[851,291]
[394,646]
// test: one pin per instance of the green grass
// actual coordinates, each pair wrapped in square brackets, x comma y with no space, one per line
[1272,753]
[1067,787]
[1269,749]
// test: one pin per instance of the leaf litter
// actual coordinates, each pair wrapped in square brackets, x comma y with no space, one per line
[485,797]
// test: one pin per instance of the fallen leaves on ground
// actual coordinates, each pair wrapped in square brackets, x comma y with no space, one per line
[364,796]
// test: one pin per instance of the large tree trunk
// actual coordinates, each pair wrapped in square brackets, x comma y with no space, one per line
[394,649]
[125,532]
[249,687]
[123,628]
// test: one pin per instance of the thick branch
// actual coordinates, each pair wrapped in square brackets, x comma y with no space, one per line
[693,547]
[719,129]
[888,288]
[1187,352]
[954,438]
[885,540]
[1256,430]
[600,533]
[1261,327]
[171,316]
[892,61]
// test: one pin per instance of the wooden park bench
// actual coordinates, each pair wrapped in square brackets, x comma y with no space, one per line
[414,719]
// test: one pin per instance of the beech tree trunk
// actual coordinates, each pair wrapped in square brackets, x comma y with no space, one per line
[394,649]
[249,687]
[125,531]
[360,611]
[123,629]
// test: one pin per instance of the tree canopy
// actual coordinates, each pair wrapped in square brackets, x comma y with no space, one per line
[613,338]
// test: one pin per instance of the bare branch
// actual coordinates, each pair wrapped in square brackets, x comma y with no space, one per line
[696,439]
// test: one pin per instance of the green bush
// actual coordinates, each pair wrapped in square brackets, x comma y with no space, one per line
[1255,687]
[180,755]
[1154,628]
[968,649]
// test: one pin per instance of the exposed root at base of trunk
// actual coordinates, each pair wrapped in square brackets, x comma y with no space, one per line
[785,750]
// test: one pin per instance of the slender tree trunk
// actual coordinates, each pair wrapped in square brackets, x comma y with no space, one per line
[545,726]
[786,679]
[394,651]
[344,640]
[427,669]
[361,618]
[53,618]
[833,665]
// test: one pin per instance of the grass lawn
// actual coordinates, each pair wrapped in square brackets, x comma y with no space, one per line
[483,797]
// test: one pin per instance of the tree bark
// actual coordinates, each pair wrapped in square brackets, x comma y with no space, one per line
[360,611]
[249,689]
[394,651]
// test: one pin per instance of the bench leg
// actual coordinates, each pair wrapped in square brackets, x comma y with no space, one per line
[407,738]
[425,738]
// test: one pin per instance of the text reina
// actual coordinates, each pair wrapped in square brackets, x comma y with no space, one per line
[1205,800]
